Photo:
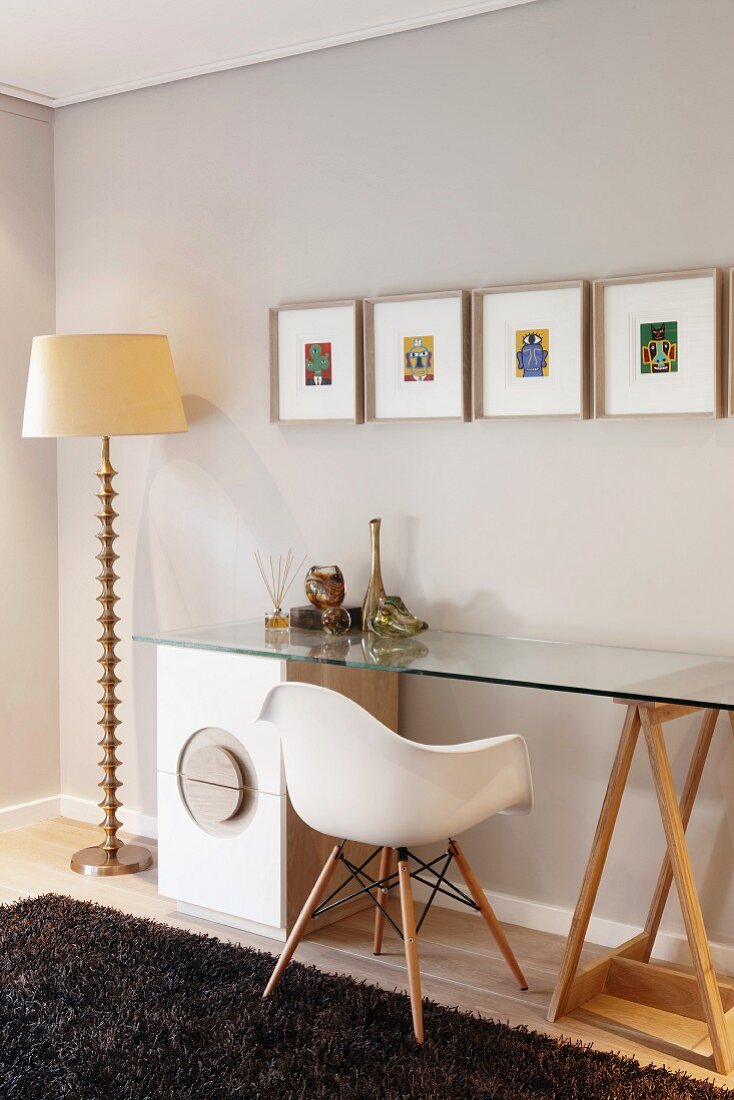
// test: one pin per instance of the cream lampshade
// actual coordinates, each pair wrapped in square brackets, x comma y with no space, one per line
[105,384]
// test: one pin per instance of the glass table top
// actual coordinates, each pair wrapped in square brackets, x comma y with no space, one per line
[689,679]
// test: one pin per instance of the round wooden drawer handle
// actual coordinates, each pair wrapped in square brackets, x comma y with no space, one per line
[213,784]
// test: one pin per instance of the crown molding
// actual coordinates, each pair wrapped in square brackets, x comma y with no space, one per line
[26,95]
[257,58]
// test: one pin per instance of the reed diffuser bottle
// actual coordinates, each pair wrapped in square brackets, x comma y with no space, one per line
[375,589]
[278,576]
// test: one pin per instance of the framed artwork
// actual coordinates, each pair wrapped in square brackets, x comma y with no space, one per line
[316,363]
[417,357]
[657,345]
[731,341]
[531,351]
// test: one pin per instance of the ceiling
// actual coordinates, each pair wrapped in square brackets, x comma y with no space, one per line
[64,51]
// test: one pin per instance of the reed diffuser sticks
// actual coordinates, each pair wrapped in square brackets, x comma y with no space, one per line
[278,575]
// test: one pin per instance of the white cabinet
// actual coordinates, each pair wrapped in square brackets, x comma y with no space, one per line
[232,871]
[232,849]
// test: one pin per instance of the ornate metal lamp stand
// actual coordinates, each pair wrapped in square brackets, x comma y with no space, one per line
[112,857]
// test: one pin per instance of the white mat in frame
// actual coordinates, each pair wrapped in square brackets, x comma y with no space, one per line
[530,351]
[434,384]
[305,338]
[683,307]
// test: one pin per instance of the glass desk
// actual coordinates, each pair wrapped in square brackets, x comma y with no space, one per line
[686,679]
[656,687]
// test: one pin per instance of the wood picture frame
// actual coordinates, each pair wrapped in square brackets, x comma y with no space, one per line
[458,391]
[577,399]
[348,408]
[600,351]
[730,349]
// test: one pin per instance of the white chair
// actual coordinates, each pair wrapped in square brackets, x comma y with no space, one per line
[351,777]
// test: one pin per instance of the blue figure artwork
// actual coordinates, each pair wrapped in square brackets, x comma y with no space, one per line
[532,354]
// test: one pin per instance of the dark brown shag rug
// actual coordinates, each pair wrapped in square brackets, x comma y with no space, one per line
[96,1005]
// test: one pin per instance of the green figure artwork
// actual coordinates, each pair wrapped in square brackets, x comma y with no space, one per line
[318,364]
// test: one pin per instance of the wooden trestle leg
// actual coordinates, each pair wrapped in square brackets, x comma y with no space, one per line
[626,971]
[688,797]
[561,1001]
[687,893]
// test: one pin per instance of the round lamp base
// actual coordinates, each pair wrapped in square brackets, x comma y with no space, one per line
[127,860]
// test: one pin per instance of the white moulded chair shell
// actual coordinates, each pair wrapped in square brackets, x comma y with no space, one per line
[349,776]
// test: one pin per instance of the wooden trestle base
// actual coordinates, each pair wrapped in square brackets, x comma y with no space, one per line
[626,973]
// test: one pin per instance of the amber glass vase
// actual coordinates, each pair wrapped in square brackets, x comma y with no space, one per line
[324,586]
[375,589]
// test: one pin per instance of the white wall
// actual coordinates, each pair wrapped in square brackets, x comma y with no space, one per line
[563,139]
[28,574]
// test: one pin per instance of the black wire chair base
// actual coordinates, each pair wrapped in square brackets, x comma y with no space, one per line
[425,873]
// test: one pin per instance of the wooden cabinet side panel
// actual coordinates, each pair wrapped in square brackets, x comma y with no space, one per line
[307,850]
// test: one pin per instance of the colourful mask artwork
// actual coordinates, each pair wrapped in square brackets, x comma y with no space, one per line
[532,351]
[659,348]
[418,363]
[318,364]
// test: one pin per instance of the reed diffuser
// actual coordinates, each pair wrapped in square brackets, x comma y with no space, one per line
[278,575]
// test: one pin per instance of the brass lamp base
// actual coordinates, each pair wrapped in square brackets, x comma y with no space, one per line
[126,860]
[116,858]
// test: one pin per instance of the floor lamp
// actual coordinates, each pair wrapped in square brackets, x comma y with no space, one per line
[104,385]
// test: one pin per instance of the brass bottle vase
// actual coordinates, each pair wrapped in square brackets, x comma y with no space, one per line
[375,589]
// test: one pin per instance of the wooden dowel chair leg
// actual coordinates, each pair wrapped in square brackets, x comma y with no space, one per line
[312,902]
[487,912]
[382,895]
[410,940]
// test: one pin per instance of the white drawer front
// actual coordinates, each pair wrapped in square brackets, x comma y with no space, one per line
[243,875]
[201,688]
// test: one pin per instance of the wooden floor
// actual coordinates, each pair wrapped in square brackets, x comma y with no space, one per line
[460,964]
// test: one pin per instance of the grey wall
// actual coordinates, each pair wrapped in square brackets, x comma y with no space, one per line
[29,737]
[563,139]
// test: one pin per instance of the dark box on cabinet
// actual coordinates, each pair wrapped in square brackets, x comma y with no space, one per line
[308,617]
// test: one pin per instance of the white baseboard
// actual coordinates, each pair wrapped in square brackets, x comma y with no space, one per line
[133,821]
[669,946]
[28,813]
[227,919]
